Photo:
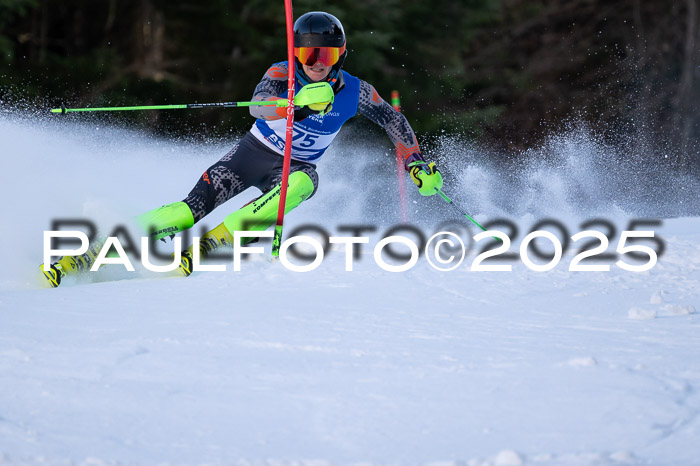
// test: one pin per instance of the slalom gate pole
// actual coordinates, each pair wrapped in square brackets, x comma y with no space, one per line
[461,211]
[262,103]
[277,241]
[396,103]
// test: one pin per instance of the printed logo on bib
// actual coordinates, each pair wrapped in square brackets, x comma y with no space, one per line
[319,118]
[276,141]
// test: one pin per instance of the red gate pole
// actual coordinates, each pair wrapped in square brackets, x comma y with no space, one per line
[290,123]
[396,103]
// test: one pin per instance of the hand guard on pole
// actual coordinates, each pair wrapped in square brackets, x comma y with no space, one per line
[426,176]
[313,98]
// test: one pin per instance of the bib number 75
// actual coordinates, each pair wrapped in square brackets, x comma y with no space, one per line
[308,139]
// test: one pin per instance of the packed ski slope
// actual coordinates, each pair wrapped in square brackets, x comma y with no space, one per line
[270,366]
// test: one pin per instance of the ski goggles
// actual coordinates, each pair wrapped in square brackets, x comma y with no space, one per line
[309,56]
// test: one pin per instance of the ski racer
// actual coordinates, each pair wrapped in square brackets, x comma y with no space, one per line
[326,97]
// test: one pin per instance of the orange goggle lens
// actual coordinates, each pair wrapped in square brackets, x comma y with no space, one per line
[329,56]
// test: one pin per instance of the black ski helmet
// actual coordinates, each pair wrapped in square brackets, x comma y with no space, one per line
[319,29]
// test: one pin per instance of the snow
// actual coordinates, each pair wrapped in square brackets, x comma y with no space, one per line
[656,298]
[271,367]
[641,314]
[678,309]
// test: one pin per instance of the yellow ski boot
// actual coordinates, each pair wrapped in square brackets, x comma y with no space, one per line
[71,265]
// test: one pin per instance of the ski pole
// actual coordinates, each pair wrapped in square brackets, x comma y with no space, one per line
[261,103]
[461,211]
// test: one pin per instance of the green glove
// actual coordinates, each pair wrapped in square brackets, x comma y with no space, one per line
[317,96]
[426,177]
